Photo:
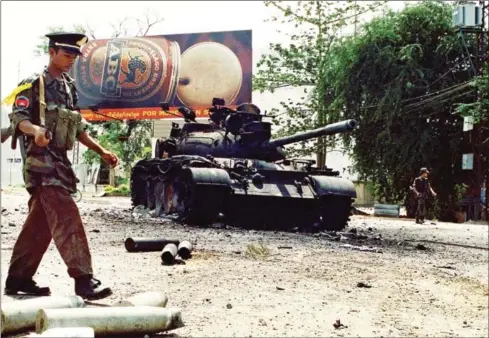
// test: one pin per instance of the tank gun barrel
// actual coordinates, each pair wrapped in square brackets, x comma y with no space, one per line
[330,129]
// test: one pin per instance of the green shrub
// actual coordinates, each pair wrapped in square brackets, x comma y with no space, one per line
[122,190]
[108,189]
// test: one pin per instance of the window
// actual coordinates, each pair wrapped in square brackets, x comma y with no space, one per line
[468,161]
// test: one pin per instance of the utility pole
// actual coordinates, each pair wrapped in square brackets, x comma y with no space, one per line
[471,18]
[483,51]
[481,149]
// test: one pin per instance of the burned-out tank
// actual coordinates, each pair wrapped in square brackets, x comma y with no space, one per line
[232,167]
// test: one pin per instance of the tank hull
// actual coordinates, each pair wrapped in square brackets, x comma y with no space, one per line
[249,193]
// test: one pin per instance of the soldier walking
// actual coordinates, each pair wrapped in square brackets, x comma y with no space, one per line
[421,188]
[46,121]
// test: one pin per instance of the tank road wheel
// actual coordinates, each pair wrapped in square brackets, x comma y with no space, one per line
[154,179]
[139,175]
[159,149]
[336,196]
[335,212]
[199,194]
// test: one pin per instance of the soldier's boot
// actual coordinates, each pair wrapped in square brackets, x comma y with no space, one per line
[90,288]
[15,285]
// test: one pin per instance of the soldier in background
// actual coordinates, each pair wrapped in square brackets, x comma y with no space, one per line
[421,187]
[46,119]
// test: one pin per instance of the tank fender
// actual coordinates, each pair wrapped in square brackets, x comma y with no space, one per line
[335,186]
[209,176]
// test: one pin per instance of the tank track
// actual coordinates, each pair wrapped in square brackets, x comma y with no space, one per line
[330,213]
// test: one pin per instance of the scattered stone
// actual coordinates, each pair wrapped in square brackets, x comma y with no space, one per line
[95,230]
[337,325]
[361,248]
[445,267]
[279,288]
[420,247]
[229,306]
[11,224]
[363,285]
[262,322]
[284,247]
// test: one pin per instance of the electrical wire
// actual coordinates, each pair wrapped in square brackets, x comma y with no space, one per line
[434,104]
[436,98]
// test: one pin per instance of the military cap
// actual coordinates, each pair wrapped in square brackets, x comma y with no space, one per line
[424,170]
[71,42]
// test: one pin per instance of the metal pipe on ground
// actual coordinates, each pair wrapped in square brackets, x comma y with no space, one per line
[150,298]
[169,253]
[21,315]
[185,249]
[147,244]
[112,320]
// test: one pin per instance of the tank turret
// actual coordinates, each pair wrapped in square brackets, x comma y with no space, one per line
[232,166]
[234,133]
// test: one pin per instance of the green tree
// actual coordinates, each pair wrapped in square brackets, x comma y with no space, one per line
[315,26]
[130,140]
[112,137]
[401,78]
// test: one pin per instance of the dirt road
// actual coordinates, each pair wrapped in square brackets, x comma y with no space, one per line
[421,280]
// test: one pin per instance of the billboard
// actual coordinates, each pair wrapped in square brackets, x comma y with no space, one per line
[127,78]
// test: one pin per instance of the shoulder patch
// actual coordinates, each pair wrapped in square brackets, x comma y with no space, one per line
[9,100]
[22,102]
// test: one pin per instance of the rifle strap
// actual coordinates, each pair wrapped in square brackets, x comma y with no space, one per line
[42,101]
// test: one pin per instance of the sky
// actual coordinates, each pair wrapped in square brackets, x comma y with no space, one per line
[179,17]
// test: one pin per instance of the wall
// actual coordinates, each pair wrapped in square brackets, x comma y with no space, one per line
[365,196]
[11,166]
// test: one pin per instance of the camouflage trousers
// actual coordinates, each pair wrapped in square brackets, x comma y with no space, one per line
[52,215]
[421,210]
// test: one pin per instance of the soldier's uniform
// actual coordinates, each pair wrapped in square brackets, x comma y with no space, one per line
[422,186]
[50,180]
